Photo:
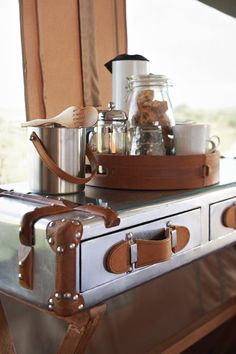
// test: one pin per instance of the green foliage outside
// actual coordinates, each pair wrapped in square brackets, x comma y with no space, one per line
[222,122]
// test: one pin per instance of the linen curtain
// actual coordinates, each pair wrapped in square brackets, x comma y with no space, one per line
[65,44]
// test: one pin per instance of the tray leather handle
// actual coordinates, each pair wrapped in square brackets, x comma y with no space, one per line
[133,253]
[52,166]
[229,217]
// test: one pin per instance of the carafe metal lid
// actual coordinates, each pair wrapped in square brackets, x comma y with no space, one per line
[112,114]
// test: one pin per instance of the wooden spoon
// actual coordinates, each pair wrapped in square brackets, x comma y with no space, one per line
[72,117]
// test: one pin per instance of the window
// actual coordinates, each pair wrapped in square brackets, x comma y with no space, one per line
[12,107]
[193,44]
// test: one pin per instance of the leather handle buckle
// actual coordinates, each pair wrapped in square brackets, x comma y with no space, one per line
[171,229]
[133,251]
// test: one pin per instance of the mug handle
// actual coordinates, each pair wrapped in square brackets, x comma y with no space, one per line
[217,140]
[214,144]
[212,147]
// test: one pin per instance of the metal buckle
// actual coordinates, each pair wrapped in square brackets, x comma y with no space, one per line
[173,234]
[133,251]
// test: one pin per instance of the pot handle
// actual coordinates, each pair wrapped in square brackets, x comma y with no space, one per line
[52,166]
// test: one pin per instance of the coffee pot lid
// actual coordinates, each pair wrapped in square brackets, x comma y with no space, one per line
[120,57]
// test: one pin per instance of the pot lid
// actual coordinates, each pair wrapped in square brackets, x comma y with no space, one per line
[120,57]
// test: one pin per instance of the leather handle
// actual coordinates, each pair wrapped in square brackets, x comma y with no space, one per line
[229,217]
[52,166]
[109,215]
[26,231]
[133,253]
[26,234]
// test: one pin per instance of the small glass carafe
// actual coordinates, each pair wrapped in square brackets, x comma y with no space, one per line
[110,133]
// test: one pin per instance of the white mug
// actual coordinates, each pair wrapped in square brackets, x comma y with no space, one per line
[193,139]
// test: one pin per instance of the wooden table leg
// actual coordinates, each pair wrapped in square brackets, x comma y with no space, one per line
[80,330]
[6,343]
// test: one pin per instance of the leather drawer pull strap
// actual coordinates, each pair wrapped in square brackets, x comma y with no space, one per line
[135,253]
[52,166]
[229,217]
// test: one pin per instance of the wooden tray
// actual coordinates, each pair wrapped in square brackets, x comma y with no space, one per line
[157,172]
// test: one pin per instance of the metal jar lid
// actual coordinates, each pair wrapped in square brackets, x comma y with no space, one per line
[148,80]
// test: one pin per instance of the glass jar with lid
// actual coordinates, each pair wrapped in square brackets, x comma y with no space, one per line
[150,106]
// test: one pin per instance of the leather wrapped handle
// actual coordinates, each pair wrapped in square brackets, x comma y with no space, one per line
[52,166]
[26,234]
[109,215]
[26,231]
[229,217]
[135,253]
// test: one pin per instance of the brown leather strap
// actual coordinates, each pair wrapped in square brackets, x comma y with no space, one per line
[229,217]
[52,166]
[6,343]
[137,253]
[26,234]
[29,219]
[64,237]
[109,215]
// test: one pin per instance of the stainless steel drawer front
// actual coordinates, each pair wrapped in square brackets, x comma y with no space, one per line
[93,252]
[217,229]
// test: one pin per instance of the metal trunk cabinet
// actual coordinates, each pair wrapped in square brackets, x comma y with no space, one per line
[58,254]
